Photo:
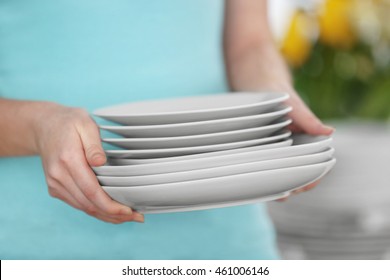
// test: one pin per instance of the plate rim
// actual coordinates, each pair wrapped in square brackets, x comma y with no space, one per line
[286,109]
[281,124]
[328,152]
[283,96]
[284,134]
[327,165]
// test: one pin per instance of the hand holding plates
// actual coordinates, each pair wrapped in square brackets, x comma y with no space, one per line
[207,152]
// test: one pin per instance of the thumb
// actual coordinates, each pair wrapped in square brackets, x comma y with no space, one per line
[90,138]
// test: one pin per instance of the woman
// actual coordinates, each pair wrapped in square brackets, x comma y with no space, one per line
[89,54]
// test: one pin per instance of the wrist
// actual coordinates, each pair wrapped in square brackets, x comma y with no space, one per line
[41,115]
[259,68]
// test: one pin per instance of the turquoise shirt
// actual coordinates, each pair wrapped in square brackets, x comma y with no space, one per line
[94,53]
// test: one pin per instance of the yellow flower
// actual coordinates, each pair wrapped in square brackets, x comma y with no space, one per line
[296,46]
[335,24]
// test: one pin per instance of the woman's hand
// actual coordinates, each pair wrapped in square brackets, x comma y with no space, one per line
[68,141]
[305,121]
[253,63]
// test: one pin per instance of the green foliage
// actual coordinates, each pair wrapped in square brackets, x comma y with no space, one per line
[342,84]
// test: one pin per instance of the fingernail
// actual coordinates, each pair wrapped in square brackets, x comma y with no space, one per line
[138,218]
[329,128]
[98,158]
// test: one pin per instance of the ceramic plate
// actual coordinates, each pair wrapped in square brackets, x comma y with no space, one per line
[302,144]
[196,128]
[213,172]
[197,140]
[171,209]
[219,190]
[192,109]
[128,161]
[170,152]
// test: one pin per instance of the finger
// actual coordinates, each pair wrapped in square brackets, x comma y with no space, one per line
[108,219]
[294,129]
[311,186]
[306,188]
[282,199]
[59,192]
[76,199]
[90,138]
[87,182]
[75,163]
[138,217]
[86,205]
[69,199]
[118,220]
[303,118]
[68,184]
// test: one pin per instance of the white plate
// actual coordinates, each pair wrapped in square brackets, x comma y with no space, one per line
[218,190]
[304,144]
[298,139]
[155,153]
[192,109]
[172,209]
[213,172]
[196,128]
[128,161]
[198,140]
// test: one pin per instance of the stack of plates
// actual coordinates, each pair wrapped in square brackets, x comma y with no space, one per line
[348,215]
[208,151]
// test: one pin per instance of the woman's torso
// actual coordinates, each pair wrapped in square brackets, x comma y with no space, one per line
[95,53]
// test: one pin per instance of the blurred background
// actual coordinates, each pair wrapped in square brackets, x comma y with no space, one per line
[339,54]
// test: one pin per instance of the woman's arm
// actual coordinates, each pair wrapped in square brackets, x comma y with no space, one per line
[253,62]
[68,142]
[16,122]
